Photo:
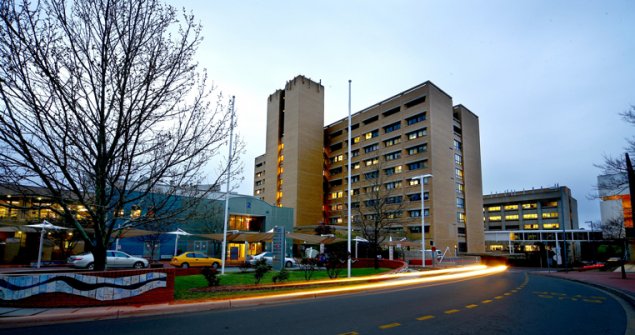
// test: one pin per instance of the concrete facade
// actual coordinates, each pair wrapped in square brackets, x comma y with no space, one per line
[413,133]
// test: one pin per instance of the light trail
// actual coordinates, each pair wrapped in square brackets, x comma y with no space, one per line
[401,280]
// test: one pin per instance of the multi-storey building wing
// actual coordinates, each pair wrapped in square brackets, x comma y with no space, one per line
[410,134]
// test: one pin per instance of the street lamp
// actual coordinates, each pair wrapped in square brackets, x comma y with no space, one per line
[423,226]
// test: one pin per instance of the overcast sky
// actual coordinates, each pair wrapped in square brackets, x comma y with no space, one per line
[546,78]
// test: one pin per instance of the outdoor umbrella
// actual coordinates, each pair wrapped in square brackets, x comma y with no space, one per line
[178,232]
[44,226]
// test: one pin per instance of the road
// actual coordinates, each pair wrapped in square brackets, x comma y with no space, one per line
[514,302]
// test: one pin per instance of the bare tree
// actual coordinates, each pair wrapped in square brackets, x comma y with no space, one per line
[614,229]
[616,166]
[377,209]
[102,104]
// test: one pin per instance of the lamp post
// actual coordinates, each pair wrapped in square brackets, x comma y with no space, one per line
[423,226]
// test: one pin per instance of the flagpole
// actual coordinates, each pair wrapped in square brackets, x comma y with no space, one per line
[229,163]
[349,180]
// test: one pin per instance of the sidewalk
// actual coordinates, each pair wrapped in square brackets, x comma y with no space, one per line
[610,280]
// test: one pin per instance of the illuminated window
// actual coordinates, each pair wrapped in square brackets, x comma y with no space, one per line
[392,141]
[551,226]
[496,247]
[513,217]
[356,166]
[258,191]
[259,174]
[459,173]
[357,139]
[495,218]
[460,187]
[371,134]
[549,215]
[418,149]
[460,217]
[550,204]
[511,207]
[135,211]
[371,161]
[416,134]
[530,216]
[494,208]
[531,226]
[458,160]
[532,205]
[413,182]
[393,185]
[392,156]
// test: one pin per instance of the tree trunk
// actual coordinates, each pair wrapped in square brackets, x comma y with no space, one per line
[99,257]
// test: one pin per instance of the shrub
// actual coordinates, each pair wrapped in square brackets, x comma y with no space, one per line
[211,275]
[308,266]
[262,268]
[281,276]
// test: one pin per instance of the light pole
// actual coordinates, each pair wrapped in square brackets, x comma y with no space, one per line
[423,226]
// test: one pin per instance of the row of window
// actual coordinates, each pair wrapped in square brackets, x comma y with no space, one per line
[528,216]
[390,156]
[389,142]
[530,205]
[388,186]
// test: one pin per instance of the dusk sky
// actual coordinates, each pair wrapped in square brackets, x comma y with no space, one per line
[546,78]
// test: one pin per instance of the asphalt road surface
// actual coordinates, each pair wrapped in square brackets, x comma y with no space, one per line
[507,303]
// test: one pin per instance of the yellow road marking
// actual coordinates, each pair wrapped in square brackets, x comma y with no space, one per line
[593,301]
[545,296]
[350,333]
[507,293]
[425,317]
[514,291]
[471,306]
[498,297]
[451,311]
[390,325]
[486,301]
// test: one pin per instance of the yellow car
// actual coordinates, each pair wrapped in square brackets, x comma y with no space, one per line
[193,258]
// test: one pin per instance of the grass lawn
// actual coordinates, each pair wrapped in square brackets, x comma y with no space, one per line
[183,284]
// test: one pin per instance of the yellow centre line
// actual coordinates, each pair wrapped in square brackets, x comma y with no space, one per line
[425,317]
[390,325]
[471,306]
[486,301]
[349,333]
[452,311]
[498,297]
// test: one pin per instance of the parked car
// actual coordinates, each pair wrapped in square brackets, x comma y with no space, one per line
[114,259]
[268,256]
[193,259]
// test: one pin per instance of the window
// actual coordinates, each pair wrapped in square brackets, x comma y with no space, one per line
[371,119]
[460,202]
[415,102]
[394,200]
[391,111]
[392,141]
[460,217]
[392,127]
[414,197]
[371,148]
[371,134]
[512,217]
[458,160]
[495,218]
[354,179]
[417,165]
[460,187]
[459,173]
[551,226]
[355,152]
[392,170]
[371,202]
[135,212]
[530,206]
[416,119]
[511,207]
[336,146]
[337,158]
[336,195]
[371,175]
[413,182]
[417,133]
[393,155]
[418,149]
[336,170]
[356,139]
[371,161]
[356,166]
[494,208]
[550,215]
[531,216]
[336,182]
[394,214]
[393,185]
[370,189]
[414,213]
[549,204]
[531,226]
[458,146]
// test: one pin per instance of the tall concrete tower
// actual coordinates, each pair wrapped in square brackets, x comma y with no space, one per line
[289,174]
